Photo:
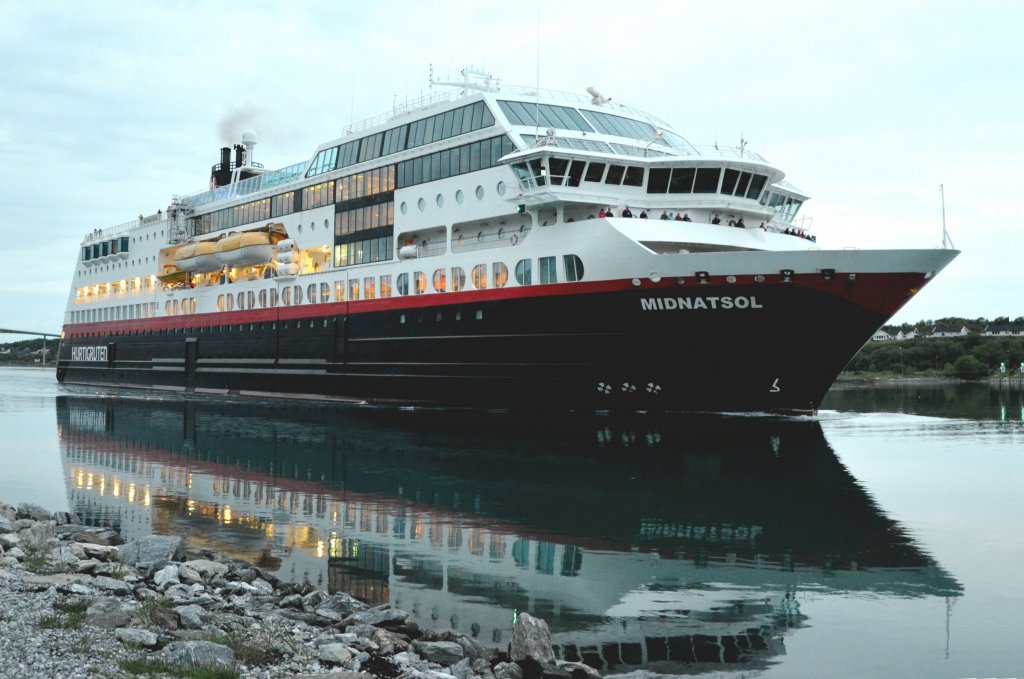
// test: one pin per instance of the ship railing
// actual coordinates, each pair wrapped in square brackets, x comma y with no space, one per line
[730,152]
[104,234]
[246,187]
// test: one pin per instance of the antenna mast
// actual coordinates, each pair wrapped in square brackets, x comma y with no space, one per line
[947,242]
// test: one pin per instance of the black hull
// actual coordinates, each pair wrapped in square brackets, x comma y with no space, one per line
[602,347]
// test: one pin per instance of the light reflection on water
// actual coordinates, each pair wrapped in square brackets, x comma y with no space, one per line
[644,541]
[875,536]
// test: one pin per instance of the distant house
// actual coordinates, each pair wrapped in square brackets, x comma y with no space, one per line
[881,336]
[908,335]
[1004,330]
[949,331]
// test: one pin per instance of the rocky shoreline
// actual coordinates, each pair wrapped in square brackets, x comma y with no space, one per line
[76,601]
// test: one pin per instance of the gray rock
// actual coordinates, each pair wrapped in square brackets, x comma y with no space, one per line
[31,511]
[531,639]
[97,536]
[136,637]
[192,616]
[339,606]
[311,619]
[189,575]
[63,554]
[17,553]
[151,548]
[40,535]
[335,654]
[410,661]
[461,669]
[165,618]
[6,525]
[290,601]
[380,616]
[508,670]
[197,654]
[578,669]
[109,614]
[165,577]
[206,568]
[263,588]
[63,518]
[8,540]
[440,652]
[87,565]
[11,562]
[96,551]
[103,583]
[310,602]
[75,588]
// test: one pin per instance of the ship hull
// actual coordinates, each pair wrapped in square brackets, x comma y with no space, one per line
[772,345]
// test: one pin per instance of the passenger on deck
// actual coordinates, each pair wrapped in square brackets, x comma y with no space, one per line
[609,213]
[763,227]
[602,213]
[732,222]
[626,212]
[740,223]
[716,220]
[664,215]
[643,215]
[686,218]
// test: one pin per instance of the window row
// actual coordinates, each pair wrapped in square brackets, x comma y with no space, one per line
[364,251]
[115,313]
[544,115]
[369,183]
[364,218]
[107,247]
[253,211]
[317,195]
[417,133]
[451,162]
[706,180]
[785,207]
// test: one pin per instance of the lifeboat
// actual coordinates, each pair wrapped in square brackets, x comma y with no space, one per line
[198,257]
[245,249]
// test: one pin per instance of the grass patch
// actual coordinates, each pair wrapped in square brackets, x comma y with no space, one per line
[69,615]
[249,650]
[40,564]
[73,606]
[58,621]
[144,666]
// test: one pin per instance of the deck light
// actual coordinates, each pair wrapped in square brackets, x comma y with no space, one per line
[703,277]
[787,275]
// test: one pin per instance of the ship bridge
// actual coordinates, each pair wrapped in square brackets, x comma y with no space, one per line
[577,181]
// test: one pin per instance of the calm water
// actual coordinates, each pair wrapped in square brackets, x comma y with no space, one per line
[879,539]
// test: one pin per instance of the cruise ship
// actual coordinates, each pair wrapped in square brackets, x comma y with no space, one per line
[487,246]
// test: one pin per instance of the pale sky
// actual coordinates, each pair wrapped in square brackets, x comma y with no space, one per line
[109,108]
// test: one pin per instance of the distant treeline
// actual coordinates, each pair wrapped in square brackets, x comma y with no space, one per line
[972,324]
[27,351]
[969,357]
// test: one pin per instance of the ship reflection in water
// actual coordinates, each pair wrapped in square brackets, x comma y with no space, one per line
[683,543]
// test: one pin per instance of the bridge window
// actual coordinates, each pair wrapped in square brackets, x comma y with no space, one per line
[576,172]
[707,180]
[657,179]
[615,173]
[682,180]
[634,176]
[595,171]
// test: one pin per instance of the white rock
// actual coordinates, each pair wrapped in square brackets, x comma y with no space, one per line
[165,577]
[138,637]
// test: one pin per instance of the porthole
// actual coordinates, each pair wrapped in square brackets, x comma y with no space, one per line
[300,228]
[459,196]
[500,188]
[421,204]
[479,314]
[479,193]
[439,200]
[404,207]
[327,224]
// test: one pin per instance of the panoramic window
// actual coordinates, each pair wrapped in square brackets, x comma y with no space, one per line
[440,282]
[548,270]
[402,284]
[479,276]
[500,275]
[420,280]
[573,268]
[385,286]
[458,279]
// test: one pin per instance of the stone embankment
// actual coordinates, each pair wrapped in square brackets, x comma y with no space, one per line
[76,601]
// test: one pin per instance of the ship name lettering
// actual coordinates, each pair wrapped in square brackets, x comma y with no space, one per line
[98,354]
[697,303]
